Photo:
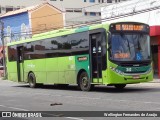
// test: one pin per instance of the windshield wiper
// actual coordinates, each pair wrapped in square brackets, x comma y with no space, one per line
[125,38]
[139,46]
[128,46]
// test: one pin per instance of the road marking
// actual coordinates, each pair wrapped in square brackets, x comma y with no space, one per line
[2,105]
[18,108]
[14,108]
[74,118]
[89,98]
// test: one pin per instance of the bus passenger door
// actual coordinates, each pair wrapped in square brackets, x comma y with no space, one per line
[20,61]
[96,57]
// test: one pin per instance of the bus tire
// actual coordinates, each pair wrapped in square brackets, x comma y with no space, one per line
[84,82]
[120,86]
[32,80]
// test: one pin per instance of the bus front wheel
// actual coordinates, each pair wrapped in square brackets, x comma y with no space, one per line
[84,82]
[32,80]
[120,86]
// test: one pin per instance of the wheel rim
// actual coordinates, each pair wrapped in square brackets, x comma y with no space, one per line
[31,80]
[85,82]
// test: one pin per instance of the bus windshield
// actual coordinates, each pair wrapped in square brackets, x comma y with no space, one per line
[130,47]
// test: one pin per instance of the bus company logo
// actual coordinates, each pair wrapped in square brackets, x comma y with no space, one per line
[6,114]
[31,65]
[84,58]
[136,69]
[20,114]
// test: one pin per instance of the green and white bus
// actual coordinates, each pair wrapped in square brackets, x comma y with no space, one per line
[103,54]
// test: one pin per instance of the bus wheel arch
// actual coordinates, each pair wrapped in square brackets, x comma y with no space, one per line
[83,80]
[32,79]
[78,75]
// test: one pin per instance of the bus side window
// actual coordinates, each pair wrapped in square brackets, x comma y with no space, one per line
[28,49]
[12,53]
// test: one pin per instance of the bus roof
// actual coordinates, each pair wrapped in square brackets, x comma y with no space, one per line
[60,32]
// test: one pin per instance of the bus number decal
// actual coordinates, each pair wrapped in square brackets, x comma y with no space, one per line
[84,58]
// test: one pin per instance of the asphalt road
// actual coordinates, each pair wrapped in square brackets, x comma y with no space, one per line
[19,97]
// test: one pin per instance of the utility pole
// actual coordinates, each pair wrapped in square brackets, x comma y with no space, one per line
[2,39]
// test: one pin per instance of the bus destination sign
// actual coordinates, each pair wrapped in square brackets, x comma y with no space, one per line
[129,27]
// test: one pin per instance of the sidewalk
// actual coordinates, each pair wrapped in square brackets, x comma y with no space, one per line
[156,79]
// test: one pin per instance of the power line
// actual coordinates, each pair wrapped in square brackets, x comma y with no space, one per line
[75,17]
[65,11]
[60,13]
[111,18]
[131,5]
[98,20]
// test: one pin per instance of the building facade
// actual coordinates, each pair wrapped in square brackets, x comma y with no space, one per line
[23,23]
[77,11]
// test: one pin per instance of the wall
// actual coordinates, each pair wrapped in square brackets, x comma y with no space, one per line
[129,11]
[15,22]
[46,18]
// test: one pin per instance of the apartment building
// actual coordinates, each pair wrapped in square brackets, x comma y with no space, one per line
[77,11]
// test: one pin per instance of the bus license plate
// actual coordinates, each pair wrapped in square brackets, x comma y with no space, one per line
[136,77]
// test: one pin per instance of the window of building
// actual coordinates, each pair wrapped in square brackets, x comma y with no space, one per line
[77,10]
[9,8]
[73,10]
[17,8]
[22,6]
[85,13]
[85,0]
[117,0]
[92,1]
[109,1]
[0,9]
[69,10]
[92,14]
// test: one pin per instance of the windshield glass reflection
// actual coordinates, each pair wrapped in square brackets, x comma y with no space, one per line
[130,47]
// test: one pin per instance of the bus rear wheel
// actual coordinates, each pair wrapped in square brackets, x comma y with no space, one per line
[32,80]
[120,86]
[84,82]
